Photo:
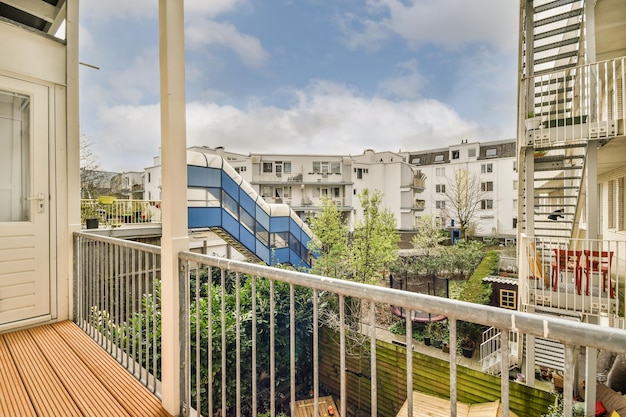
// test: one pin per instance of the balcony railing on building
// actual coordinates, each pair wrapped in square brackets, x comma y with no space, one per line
[576,275]
[256,339]
[576,104]
[114,212]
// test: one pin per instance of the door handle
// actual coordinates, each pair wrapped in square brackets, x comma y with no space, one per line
[40,202]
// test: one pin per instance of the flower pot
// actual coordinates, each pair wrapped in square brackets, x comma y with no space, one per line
[91,223]
[437,343]
[533,123]
[467,351]
[427,341]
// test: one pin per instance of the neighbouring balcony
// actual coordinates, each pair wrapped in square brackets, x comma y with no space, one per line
[576,104]
[575,275]
[258,339]
[114,212]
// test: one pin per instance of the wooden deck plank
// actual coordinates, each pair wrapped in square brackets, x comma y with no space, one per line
[14,399]
[88,393]
[306,408]
[48,395]
[130,393]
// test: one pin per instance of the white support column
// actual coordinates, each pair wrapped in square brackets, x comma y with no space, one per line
[174,195]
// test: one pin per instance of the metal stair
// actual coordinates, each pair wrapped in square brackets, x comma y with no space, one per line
[236,244]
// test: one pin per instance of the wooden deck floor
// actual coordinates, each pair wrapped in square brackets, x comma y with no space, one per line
[57,370]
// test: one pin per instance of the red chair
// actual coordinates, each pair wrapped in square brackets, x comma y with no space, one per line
[599,262]
[566,261]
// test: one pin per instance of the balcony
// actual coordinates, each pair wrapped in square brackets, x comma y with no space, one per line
[256,338]
[113,212]
[576,105]
[577,276]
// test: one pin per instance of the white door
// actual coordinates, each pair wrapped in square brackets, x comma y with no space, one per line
[24,206]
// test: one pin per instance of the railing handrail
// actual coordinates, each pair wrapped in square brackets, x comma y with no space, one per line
[130,244]
[574,68]
[591,335]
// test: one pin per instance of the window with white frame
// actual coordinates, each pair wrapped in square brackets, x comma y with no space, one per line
[268,167]
[486,204]
[440,188]
[438,158]
[455,154]
[440,172]
[486,168]
[490,153]
[486,186]
[440,204]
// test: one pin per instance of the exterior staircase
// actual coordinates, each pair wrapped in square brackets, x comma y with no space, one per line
[236,244]
[491,351]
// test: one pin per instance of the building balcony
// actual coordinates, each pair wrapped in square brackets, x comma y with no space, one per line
[275,345]
[574,276]
[112,212]
[576,104]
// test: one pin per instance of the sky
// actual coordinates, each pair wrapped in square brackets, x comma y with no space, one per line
[302,76]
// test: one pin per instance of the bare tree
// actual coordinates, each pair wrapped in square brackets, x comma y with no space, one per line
[92,178]
[463,195]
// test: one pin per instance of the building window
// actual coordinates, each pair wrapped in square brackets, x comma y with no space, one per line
[486,204]
[440,188]
[360,172]
[268,167]
[149,177]
[515,166]
[324,167]
[240,169]
[515,204]
[471,153]
[514,222]
[417,160]
[455,154]
[440,172]
[490,153]
[515,184]
[508,299]
[439,158]
[440,204]
[486,186]
[486,168]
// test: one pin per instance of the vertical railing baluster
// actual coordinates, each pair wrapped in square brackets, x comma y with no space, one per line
[504,376]
[568,381]
[223,318]
[452,323]
[237,345]
[409,361]
[316,364]
[373,376]
[254,341]
[272,350]
[210,381]
[197,301]
[342,350]
[292,348]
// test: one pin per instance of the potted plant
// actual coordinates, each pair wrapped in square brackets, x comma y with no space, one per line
[427,335]
[467,347]
[440,333]
[89,215]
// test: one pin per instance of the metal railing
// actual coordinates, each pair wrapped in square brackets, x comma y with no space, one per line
[265,310]
[580,103]
[117,301]
[581,276]
[251,333]
[119,212]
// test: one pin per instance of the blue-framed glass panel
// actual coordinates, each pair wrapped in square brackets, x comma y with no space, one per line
[198,217]
[247,239]
[263,235]
[247,220]
[230,224]
[263,218]
[281,256]
[230,205]
[203,177]
[247,203]
[279,224]
[230,186]
[279,240]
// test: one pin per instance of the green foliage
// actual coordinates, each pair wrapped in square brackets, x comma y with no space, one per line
[331,240]
[143,331]
[557,410]
[427,243]
[375,239]
[463,256]
[475,291]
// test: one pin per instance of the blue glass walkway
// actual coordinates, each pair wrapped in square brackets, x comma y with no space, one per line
[219,199]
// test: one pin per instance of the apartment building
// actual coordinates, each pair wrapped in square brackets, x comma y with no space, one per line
[493,167]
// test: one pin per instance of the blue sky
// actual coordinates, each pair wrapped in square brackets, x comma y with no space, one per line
[302,76]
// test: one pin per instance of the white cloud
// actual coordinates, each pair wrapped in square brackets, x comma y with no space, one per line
[450,23]
[406,84]
[203,32]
